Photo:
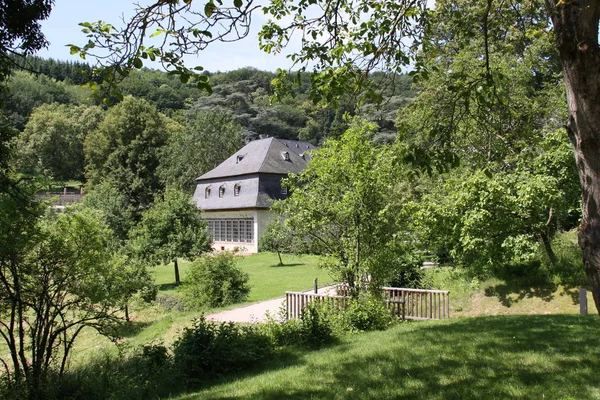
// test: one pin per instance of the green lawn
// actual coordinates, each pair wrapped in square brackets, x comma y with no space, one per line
[154,323]
[505,357]
[267,279]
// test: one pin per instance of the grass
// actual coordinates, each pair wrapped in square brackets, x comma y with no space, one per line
[472,297]
[156,324]
[517,357]
[267,279]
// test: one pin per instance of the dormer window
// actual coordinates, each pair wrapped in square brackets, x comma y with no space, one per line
[286,156]
[238,159]
[207,192]
[236,190]
[221,191]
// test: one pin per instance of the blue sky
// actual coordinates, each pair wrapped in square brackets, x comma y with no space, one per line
[62,28]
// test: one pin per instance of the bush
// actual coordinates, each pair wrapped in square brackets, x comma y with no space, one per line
[316,325]
[215,281]
[208,349]
[364,313]
[406,272]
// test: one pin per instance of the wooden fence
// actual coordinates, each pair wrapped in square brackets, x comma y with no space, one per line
[61,199]
[417,304]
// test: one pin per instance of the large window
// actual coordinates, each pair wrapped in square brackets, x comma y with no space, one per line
[231,230]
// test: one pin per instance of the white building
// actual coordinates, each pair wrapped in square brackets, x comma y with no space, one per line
[235,197]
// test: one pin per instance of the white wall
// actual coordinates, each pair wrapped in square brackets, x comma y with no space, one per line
[261,219]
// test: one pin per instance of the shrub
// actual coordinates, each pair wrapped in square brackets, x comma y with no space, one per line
[169,302]
[208,349]
[364,313]
[406,272]
[215,281]
[316,325]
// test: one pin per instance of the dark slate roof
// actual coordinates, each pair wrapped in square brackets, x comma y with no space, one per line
[249,195]
[264,156]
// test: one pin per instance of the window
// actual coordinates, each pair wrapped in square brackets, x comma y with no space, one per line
[236,190]
[207,192]
[231,230]
[284,190]
[222,191]
[286,156]
[238,159]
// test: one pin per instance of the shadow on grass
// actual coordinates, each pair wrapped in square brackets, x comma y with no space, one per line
[529,281]
[167,286]
[285,265]
[490,357]
[131,328]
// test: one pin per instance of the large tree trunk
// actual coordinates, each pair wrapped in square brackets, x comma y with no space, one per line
[576,28]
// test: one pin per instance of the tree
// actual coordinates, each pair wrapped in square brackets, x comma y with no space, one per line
[208,139]
[52,142]
[344,203]
[169,229]
[20,29]
[125,148]
[57,278]
[278,238]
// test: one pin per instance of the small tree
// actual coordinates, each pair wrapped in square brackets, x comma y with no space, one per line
[344,203]
[56,278]
[216,281]
[169,229]
[279,239]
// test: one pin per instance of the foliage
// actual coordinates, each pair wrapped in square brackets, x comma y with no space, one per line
[344,203]
[208,349]
[364,313]
[52,142]
[124,151]
[171,228]
[57,279]
[215,281]
[278,238]
[116,212]
[316,325]
[208,139]
[20,29]
[406,271]
[26,92]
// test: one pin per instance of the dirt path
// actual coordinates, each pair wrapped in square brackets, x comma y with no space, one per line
[256,312]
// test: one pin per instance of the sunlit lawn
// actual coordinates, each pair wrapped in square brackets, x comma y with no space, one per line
[508,357]
[267,279]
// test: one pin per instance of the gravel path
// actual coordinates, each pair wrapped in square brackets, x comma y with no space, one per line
[257,312]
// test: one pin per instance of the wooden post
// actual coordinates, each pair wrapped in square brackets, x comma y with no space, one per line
[316,286]
[583,302]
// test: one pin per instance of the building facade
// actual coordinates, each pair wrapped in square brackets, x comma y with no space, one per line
[235,197]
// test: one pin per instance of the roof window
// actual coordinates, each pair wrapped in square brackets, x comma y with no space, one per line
[286,156]
[238,159]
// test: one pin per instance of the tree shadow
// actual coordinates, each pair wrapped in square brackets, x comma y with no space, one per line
[167,286]
[131,328]
[527,281]
[493,357]
[285,265]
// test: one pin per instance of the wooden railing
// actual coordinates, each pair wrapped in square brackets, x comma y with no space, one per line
[419,304]
[61,199]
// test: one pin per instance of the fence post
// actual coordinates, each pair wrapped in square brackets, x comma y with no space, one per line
[316,286]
